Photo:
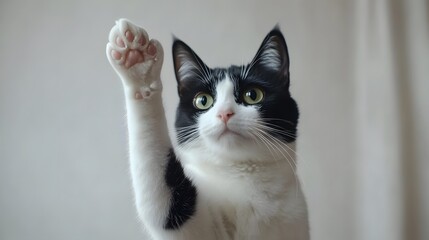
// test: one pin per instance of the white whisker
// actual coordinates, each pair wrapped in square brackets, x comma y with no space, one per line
[277,147]
[186,135]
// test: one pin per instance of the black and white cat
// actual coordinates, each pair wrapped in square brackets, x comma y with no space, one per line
[232,173]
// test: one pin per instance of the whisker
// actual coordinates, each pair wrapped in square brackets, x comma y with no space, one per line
[203,69]
[281,132]
[277,146]
[279,120]
[261,138]
[283,148]
[274,128]
[186,135]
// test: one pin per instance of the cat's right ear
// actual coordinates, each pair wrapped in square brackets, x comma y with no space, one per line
[273,54]
[187,65]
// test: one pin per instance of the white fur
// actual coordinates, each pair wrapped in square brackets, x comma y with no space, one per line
[188,68]
[246,190]
[254,189]
[270,56]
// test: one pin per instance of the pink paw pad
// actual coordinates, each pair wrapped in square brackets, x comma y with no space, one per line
[151,49]
[120,42]
[129,35]
[142,94]
[138,95]
[142,41]
[116,55]
[133,57]
[136,50]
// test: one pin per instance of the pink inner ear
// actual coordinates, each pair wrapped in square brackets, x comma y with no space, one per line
[273,54]
[270,57]
[187,64]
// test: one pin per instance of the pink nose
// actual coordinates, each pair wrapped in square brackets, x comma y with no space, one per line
[225,116]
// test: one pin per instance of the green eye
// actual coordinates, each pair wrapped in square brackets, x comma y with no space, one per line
[253,96]
[203,101]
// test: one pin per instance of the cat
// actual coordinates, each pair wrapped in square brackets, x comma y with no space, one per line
[231,173]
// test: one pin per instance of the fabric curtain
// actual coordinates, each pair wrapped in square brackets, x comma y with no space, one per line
[391,73]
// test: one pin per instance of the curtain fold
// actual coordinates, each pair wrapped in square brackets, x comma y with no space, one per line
[392,121]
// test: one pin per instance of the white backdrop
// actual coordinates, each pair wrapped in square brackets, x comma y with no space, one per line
[359,73]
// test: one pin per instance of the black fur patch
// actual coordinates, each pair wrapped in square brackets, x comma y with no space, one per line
[279,110]
[184,194]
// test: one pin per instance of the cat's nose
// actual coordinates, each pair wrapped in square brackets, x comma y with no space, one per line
[225,115]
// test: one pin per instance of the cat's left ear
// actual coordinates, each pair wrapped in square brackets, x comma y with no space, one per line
[187,64]
[273,53]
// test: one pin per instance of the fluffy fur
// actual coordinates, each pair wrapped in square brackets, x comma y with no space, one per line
[232,174]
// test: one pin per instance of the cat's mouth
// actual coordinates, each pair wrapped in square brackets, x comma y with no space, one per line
[228,132]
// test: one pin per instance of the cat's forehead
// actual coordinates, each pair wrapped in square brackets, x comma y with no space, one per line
[218,73]
[218,76]
[226,79]
[236,77]
[225,88]
[211,78]
[232,73]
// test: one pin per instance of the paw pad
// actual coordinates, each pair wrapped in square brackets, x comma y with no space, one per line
[130,45]
[135,58]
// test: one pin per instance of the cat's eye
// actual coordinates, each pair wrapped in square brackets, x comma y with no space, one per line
[253,96]
[203,101]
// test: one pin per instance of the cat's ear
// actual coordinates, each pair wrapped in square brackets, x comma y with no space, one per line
[273,53]
[187,65]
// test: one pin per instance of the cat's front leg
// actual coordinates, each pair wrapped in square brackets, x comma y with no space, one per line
[156,174]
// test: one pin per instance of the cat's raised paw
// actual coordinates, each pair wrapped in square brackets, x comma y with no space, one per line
[136,58]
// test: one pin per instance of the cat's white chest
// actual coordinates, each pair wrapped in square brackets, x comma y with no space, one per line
[244,222]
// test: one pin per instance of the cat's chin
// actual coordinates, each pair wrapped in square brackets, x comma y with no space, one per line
[229,135]
[230,144]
